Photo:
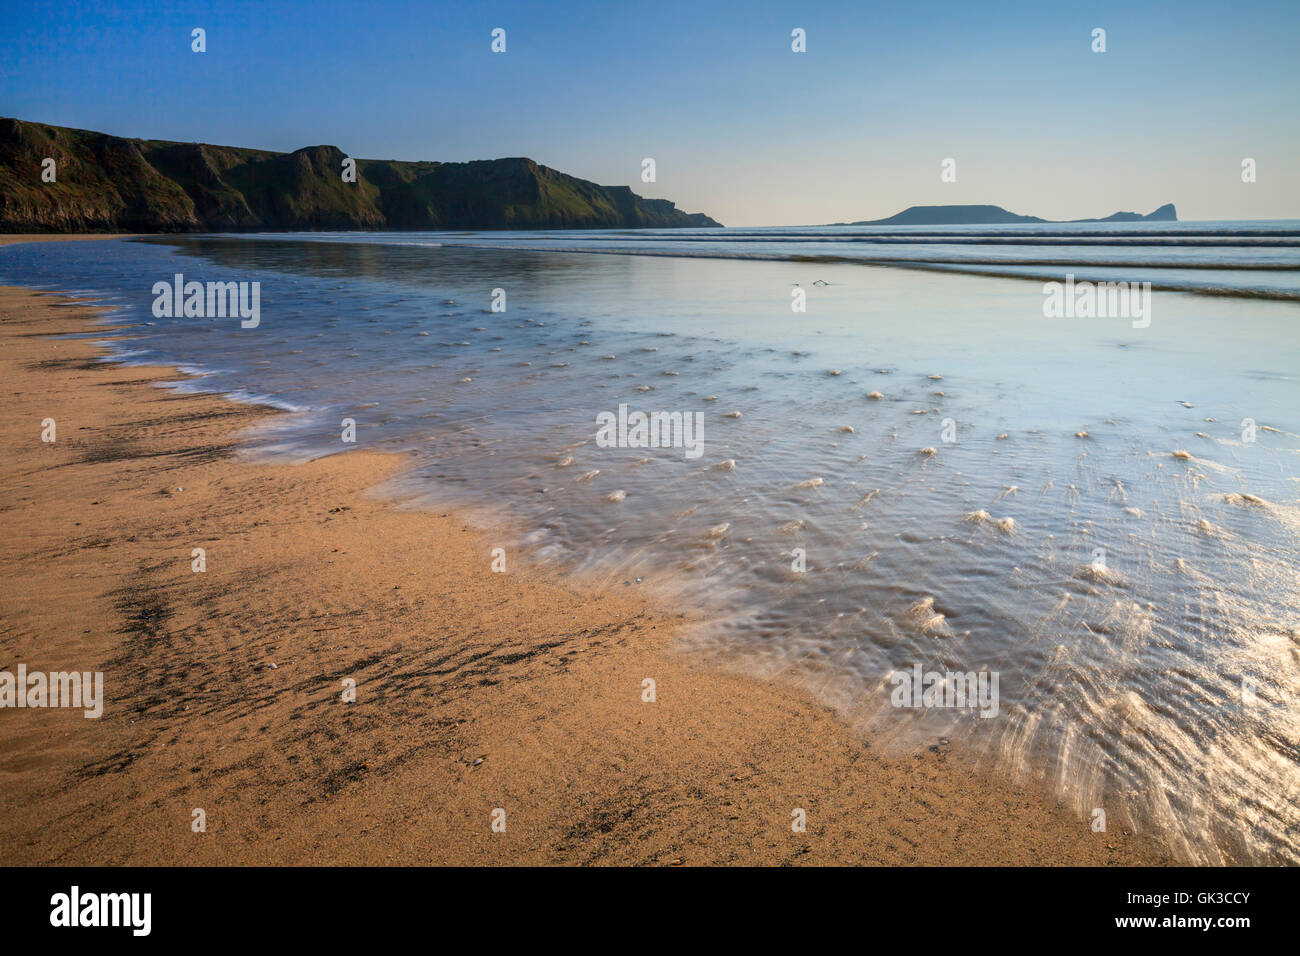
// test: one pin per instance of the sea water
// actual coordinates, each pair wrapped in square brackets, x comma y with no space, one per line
[919,472]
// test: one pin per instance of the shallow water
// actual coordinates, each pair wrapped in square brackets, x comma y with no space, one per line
[1139,606]
[1251,259]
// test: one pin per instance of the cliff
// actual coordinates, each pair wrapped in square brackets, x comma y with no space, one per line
[109,184]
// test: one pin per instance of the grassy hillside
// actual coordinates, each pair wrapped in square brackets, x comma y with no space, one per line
[107,183]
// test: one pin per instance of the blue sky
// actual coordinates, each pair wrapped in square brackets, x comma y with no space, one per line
[740,127]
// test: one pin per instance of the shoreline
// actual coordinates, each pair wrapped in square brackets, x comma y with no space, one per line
[475,690]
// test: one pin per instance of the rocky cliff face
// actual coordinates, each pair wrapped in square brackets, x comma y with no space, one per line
[107,183]
[1166,213]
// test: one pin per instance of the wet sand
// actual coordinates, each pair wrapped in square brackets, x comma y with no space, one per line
[475,690]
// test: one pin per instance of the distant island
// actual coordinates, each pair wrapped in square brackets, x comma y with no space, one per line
[996,215]
[104,183]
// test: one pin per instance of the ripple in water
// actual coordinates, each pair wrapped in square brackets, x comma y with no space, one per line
[1079,509]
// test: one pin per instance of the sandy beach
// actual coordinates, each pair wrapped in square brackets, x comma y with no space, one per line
[475,690]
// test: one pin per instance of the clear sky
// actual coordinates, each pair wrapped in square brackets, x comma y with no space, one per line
[740,127]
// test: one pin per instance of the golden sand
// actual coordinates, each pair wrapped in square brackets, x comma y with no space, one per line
[475,691]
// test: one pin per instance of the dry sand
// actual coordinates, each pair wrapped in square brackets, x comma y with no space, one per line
[475,690]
